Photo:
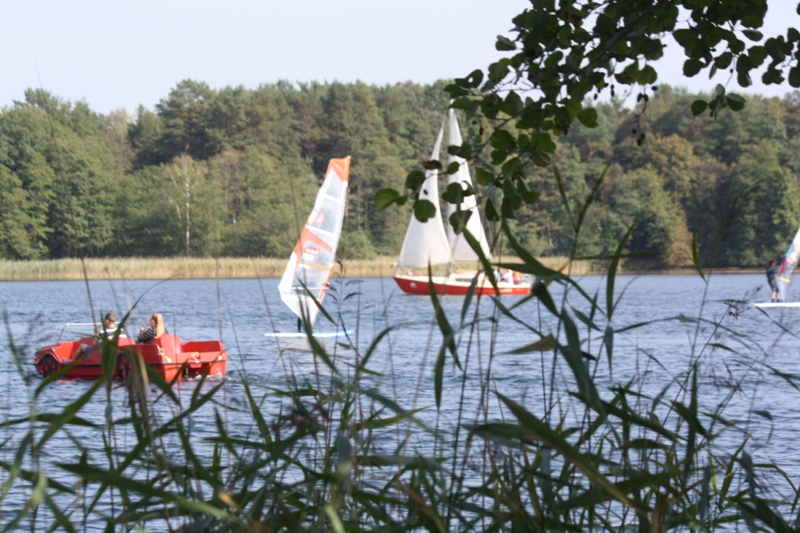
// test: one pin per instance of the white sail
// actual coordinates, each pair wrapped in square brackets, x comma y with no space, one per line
[312,259]
[459,247]
[426,242]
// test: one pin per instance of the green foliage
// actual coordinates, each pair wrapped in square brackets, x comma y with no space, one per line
[257,155]
[356,245]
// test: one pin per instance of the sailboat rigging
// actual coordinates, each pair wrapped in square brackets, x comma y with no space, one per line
[429,243]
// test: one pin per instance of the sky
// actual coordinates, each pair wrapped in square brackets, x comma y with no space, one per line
[118,54]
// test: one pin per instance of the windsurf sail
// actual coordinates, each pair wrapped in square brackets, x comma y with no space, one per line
[787,267]
[312,259]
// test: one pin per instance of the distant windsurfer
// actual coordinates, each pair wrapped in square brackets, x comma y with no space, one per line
[772,272]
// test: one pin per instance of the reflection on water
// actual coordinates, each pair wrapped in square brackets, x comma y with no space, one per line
[240,312]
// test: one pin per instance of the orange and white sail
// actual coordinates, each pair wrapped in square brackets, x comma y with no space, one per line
[313,257]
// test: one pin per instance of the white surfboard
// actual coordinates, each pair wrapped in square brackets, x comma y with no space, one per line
[317,335]
[769,305]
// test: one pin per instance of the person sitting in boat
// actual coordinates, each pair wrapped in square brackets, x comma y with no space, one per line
[517,277]
[508,276]
[109,327]
[156,330]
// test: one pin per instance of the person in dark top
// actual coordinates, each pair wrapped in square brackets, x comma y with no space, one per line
[156,330]
[772,272]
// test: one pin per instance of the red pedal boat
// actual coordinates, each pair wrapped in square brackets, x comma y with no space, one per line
[167,355]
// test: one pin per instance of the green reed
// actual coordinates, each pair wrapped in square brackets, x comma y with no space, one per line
[337,453]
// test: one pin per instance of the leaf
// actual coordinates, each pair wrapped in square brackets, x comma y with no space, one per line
[735,102]
[503,140]
[648,75]
[753,35]
[744,79]
[696,257]
[454,194]
[692,67]
[608,340]
[686,38]
[794,77]
[588,117]
[698,106]
[386,197]
[545,344]
[336,522]
[424,210]
[458,221]
[612,270]
[574,356]
[483,177]
[415,179]
[504,44]
[491,212]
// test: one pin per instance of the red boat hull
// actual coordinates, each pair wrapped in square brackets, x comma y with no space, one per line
[168,356]
[457,286]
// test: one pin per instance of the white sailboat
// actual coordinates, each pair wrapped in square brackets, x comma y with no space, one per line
[429,243]
[311,263]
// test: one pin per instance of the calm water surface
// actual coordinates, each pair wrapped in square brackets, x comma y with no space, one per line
[242,311]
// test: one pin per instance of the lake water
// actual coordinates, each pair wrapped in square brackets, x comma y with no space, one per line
[240,312]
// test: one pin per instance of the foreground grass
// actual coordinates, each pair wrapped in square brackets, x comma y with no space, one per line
[202,268]
[336,449]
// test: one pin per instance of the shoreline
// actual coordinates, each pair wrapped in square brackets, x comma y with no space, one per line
[257,267]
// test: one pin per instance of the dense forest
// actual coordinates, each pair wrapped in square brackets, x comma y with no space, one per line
[234,171]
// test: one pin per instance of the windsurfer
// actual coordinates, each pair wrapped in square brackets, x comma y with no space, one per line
[772,271]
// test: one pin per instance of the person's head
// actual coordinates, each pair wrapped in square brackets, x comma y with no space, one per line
[110,321]
[773,262]
[157,321]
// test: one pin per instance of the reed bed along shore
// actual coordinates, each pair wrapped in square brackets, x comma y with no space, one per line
[205,268]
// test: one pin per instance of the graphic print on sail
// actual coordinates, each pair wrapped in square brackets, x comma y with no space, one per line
[312,259]
[429,243]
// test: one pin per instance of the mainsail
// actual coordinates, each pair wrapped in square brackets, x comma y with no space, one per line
[313,257]
[787,267]
[426,242]
[459,247]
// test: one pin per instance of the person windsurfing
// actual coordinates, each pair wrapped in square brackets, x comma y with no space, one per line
[772,272]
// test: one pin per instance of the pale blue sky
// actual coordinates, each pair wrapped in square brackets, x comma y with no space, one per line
[121,53]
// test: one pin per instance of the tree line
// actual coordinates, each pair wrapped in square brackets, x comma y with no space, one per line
[234,171]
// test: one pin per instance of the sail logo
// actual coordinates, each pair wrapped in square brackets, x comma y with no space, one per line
[310,253]
[320,219]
